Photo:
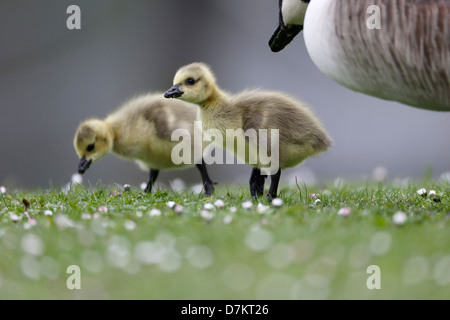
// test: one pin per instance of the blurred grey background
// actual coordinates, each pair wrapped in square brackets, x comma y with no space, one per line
[52,78]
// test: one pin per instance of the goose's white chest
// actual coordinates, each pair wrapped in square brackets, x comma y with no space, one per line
[322,45]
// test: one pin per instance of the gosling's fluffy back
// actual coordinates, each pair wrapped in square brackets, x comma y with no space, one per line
[143,127]
[164,115]
[301,134]
[276,110]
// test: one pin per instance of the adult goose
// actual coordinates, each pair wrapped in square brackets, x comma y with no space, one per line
[392,49]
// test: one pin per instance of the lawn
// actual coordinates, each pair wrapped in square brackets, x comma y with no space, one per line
[338,241]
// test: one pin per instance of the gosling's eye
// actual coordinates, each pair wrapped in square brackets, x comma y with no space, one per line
[190,82]
[90,147]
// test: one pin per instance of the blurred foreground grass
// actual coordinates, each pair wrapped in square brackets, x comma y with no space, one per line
[129,245]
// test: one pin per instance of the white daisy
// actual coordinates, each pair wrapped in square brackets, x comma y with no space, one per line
[178,208]
[171,204]
[262,208]
[399,218]
[344,212]
[277,202]
[154,212]
[422,192]
[219,204]
[247,205]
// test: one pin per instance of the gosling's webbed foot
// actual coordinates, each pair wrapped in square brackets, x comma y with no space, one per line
[259,186]
[271,196]
[209,188]
[208,184]
[153,175]
[273,190]
[257,183]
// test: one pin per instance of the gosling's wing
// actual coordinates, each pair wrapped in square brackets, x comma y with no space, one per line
[294,120]
[169,115]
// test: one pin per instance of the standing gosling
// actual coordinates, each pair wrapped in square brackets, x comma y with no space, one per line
[300,133]
[140,130]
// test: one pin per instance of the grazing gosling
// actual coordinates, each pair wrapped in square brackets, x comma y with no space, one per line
[140,130]
[300,133]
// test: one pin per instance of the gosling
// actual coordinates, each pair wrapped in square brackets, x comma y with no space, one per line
[300,133]
[140,130]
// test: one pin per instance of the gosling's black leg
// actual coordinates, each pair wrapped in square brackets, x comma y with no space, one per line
[274,181]
[257,183]
[207,183]
[153,175]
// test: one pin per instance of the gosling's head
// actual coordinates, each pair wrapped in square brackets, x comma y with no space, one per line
[193,83]
[93,140]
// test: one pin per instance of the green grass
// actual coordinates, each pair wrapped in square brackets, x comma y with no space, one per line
[301,250]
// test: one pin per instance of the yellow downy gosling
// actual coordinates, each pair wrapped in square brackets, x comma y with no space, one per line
[299,132]
[140,130]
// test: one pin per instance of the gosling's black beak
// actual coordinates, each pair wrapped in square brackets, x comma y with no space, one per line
[173,92]
[83,165]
